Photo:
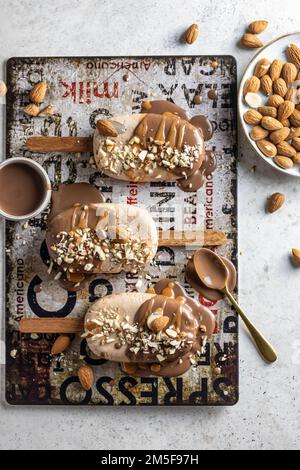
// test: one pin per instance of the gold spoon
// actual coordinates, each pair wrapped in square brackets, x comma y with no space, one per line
[214,275]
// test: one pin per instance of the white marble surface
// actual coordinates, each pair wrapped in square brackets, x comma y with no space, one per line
[268,414]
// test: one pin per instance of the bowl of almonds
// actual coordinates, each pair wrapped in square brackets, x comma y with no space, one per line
[269,103]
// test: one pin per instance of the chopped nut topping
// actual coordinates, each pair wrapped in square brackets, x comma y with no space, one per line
[120,157]
[85,248]
[108,327]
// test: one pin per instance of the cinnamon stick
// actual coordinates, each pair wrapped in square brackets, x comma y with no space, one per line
[51,325]
[59,144]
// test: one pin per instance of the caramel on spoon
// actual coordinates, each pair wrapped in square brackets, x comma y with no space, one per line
[214,275]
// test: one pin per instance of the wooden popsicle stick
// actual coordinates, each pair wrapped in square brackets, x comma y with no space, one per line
[51,325]
[59,144]
[191,237]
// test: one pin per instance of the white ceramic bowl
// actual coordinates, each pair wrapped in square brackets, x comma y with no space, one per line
[47,197]
[275,50]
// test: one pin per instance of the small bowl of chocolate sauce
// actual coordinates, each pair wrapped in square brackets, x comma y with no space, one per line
[25,189]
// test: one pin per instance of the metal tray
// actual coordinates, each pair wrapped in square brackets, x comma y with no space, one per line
[82,89]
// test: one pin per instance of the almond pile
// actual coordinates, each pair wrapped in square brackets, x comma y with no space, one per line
[276,123]
[37,96]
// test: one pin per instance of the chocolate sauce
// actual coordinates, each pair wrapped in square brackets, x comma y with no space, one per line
[184,313]
[61,219]
[69,194]
[164,106]
[22,189]
[204,124]
[168,128]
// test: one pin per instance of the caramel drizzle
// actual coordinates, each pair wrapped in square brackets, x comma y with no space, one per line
[175,136]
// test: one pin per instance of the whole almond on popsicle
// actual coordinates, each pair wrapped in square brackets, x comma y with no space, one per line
[106,128]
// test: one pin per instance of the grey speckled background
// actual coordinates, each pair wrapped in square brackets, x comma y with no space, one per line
[268,414]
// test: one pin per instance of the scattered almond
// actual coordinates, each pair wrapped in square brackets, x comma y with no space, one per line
[251,41]
[294,54]
[252,85]
[285,110]
[257,27]
[275,101]
[276,69]
[262,68]
[296,255]
[284,162]
[106,128]
[286,150]
[258,133]
[47,111]
[86,377]
[280,135]
[296,143]
[61,344]
[274,202]
[266,85]
[192,34]
[252,117]
[32,110]
[267,148]
[270,123]
[268,111]
[3,88]
[280,87]
[289,72]
[295,118]
[159,324]
[38,93]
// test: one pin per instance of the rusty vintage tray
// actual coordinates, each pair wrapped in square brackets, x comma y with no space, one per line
[82,89]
